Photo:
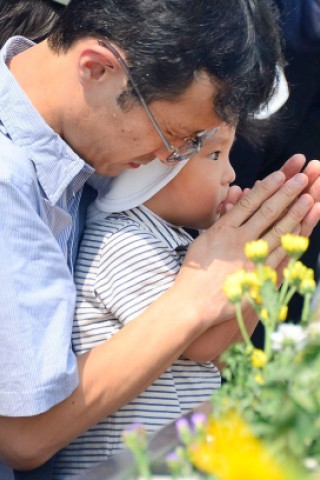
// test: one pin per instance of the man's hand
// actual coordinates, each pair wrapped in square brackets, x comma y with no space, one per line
[272,207]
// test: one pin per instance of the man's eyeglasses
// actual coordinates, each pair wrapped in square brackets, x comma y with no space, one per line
[176,154]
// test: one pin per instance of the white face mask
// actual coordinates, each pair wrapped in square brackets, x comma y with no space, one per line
[135,186]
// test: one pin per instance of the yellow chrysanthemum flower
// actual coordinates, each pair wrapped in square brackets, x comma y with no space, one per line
[264,315]
[232,286]
[231,452]
[266,274]
[250,280]
[295,272]
[259,379]
[283,313]
[259,358]
[309,274]
[308,285]
[294,245]
[269,273]
[257,250]
[255,294]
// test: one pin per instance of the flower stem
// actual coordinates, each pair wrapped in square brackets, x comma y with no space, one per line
[285,285]
[289,295]
[242,326]
[306,309]
[267,341]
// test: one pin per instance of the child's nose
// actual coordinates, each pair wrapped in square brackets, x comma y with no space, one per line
[230,174]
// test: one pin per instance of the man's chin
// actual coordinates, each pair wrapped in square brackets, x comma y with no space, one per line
[113,170]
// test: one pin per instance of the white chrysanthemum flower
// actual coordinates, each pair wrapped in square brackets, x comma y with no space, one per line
[288,333]
[311,463]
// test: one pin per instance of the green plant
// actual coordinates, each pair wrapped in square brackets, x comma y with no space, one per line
[265,420]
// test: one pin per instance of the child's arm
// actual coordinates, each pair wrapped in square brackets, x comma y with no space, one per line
[132,277]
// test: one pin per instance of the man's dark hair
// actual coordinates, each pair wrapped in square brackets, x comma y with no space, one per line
[166,42]
[31,18]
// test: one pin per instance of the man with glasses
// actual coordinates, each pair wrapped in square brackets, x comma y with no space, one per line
[117,84]
[190,147]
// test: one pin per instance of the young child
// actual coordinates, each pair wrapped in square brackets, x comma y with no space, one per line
[132,250]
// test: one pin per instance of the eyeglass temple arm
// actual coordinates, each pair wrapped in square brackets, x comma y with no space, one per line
[123,65]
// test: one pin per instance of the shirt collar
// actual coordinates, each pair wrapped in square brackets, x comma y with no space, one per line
[56,163]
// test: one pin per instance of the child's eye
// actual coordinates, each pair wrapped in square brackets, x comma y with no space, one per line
[214,155]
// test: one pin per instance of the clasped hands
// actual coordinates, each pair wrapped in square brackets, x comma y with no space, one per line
[285,201]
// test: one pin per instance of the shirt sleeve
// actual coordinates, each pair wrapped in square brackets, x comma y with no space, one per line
[38,368]
[135,269]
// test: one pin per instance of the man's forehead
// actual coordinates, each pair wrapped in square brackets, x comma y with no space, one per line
[193,111]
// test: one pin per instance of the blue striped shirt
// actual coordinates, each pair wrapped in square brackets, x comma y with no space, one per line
[41,181]
[126,260]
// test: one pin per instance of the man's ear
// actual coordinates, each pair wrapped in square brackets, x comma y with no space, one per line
[95,62]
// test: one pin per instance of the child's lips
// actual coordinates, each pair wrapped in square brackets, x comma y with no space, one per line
[221,207]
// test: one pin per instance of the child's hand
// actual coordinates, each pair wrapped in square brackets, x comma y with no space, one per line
[233,196]
[272,207]
[292,166]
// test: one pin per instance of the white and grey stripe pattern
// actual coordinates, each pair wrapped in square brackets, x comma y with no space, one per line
[125,262]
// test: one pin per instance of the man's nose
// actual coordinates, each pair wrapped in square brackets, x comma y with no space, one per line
[162,153]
